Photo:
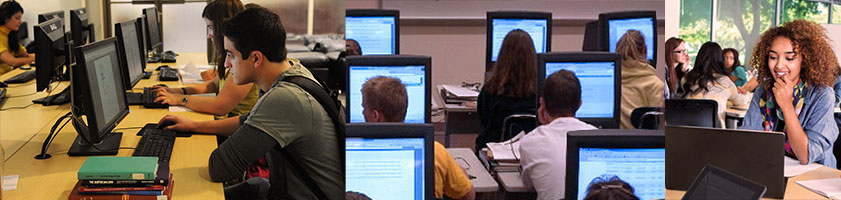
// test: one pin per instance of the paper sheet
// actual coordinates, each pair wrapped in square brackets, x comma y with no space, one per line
[10,182]
[830,188]
[191,73]
[794,168]
[460,92]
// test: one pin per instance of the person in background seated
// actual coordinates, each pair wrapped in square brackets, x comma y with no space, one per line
[356,196]
[384,99]
[677,63]
[543,150]
[797,69]
[12,53]
[610,188]
[511,87]
[734,67]
[640,86]
[287,125]
[353,48]
[231,99]
[709,80]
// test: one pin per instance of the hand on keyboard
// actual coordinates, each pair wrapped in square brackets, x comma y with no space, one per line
[166,97]
[179,123]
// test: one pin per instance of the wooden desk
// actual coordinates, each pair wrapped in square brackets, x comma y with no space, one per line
[793,190]
[54,178]
[460,119]
[18,126]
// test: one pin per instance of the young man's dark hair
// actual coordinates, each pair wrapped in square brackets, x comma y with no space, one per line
[610,188]
[257,29]
[562,93]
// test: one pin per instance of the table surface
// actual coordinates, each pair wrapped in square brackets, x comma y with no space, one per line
[793,190]
[483,182]
[54,178]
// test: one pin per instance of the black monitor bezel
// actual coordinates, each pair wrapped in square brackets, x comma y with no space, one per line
[513,15]
[82,85]
[605,138]
[544,58]
[380,13]
[49,59]
[402,130]
[392,60]
[42,17]
[147,31]
[128,80]
[79,28]
[605,30]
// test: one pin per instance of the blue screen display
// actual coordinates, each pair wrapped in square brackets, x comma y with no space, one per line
[411,76]
[643,169]
[374,34]
[597,86]
[385,168]
[619,27]
[536,28]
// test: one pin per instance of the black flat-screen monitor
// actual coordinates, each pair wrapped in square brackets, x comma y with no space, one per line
[600,77]
[414,71]
[80,29]
[51,51]
[132,57]
[614,25]
[152,29]
[377,31]
[43,17]
[99,95]
[637,157]
[499,23]
[390,160]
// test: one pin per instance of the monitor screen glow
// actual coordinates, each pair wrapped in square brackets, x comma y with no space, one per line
[411,76]
[597,86]
[375,34]
[618,27]
[643,169]
[536,28]
[385,168]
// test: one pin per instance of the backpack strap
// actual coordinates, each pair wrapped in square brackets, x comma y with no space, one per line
[333,109]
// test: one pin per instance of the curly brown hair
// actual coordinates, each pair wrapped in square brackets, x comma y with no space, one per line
[810,41]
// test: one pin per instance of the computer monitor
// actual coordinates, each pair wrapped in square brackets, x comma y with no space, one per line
[637,157]
[390,160]
[616,24]
[151,24]
[99,95]
[52,52]
[599,74]
[132,57]
[537,24]
[80,29]
[377,31]
[414,71]
[43,17]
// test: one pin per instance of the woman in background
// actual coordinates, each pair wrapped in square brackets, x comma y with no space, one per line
[677,63]
[709,79]
[12,53]
[640,86]
[734,67]
[511,87]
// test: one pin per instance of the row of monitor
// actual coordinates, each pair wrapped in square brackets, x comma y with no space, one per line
[378,31]
[394,160]
[598,72]
[54,48]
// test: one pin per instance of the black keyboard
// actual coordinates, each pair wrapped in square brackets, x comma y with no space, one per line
[148,99]
[155,143]
[22,77]
[168,74]
[2,94]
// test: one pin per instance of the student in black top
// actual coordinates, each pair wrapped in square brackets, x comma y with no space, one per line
[511,87]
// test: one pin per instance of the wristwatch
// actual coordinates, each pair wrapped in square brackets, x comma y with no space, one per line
[184,101]
[183,90]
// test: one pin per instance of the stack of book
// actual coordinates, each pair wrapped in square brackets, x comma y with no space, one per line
[123,178]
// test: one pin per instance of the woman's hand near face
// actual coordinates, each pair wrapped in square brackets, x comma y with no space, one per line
[783,90]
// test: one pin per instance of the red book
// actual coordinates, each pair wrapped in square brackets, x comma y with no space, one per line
[75,195]
[121,189]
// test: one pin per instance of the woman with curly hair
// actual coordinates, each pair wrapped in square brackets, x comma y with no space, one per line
[796,70]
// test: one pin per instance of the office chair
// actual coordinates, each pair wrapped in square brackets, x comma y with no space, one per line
[513,124]
[692,112]
[646,117]
[836,148]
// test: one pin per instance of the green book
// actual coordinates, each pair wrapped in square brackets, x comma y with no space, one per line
[119,168]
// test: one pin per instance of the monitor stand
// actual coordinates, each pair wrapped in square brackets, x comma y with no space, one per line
[109,145]
[56,99]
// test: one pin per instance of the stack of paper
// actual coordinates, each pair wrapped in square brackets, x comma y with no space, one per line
[830,188]
[794,168]
[458,94]
[191,73]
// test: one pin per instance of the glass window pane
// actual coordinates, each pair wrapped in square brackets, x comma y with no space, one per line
[695,22]
[809,10]
[737,27]
[836,14]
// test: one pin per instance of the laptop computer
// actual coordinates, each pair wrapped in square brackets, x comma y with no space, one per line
[755,155]
[716,183]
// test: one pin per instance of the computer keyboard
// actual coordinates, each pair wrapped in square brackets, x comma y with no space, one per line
[148,99]
[22,77]
[153,59]
[155,143]
[168,57]
[168,74]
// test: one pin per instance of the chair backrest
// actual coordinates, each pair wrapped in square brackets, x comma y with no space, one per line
[691,112]
[513,124]
[646,117]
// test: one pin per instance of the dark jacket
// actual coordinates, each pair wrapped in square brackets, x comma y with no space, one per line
[493,109]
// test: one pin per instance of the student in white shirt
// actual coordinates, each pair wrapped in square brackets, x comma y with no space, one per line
[543,151]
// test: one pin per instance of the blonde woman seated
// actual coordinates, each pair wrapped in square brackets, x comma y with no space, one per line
[710,80]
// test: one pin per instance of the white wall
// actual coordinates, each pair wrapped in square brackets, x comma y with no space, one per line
[183,28]
[31,8]
[673,18]
[834,31]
